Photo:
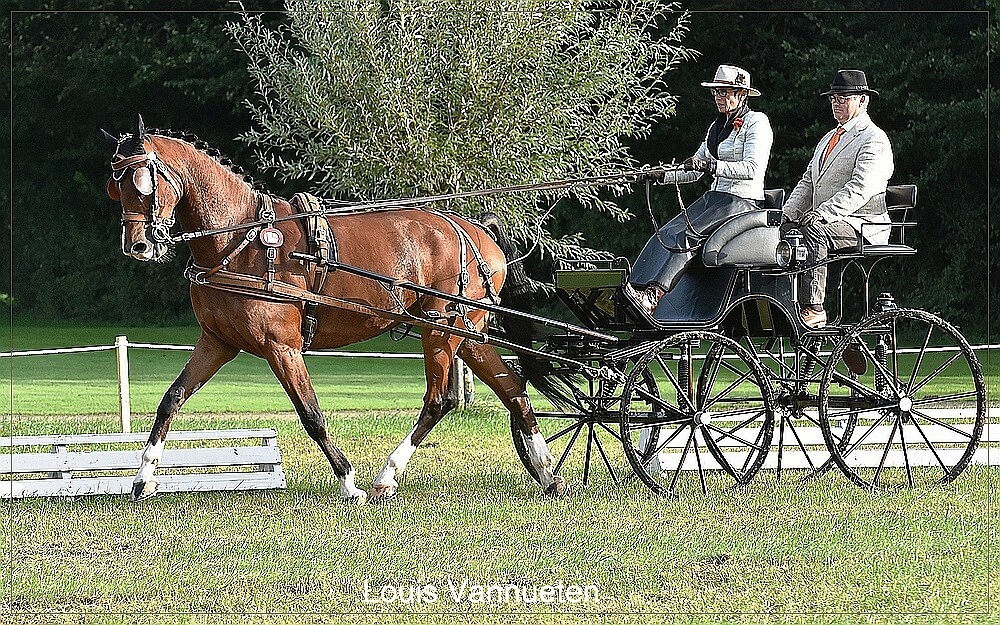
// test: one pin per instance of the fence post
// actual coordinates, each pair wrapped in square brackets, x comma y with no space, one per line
[468,385]
[460,384]
[124,394]
[455,383]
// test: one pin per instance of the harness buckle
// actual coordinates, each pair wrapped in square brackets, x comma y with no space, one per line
[195,276]
[266,210]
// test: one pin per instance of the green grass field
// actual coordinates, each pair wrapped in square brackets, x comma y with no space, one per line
[821,552]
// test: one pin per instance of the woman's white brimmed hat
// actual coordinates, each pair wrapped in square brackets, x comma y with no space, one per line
[734,77]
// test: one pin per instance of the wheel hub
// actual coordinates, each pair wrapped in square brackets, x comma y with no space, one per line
[905,405]
[702,418]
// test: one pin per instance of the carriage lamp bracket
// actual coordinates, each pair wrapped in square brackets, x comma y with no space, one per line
[790,250]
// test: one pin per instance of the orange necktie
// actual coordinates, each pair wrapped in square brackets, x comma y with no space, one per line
[832,144]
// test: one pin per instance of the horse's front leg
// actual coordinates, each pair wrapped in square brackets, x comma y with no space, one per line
[439,354]
[288,366]
[208,357]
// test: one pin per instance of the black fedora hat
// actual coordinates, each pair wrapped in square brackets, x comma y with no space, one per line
[849,81]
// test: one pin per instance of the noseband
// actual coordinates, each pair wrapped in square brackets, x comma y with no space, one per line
[146,170]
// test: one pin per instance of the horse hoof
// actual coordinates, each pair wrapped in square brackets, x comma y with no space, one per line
[359,499]
[558,488]
[381,493]
[143,490]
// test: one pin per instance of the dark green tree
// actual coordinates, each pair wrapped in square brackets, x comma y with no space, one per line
[73,73]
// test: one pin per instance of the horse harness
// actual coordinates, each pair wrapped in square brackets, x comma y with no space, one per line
[323,247]
[320,259]
[147,168]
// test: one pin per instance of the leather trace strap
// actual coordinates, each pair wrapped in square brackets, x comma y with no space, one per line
[485,271]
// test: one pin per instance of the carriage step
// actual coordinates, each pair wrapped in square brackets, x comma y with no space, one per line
[105,464]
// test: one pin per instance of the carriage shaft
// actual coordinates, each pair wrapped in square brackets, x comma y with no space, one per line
[458,299]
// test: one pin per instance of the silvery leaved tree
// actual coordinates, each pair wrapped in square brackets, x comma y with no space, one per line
[378,99]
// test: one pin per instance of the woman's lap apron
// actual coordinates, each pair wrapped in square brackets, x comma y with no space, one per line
[665,257]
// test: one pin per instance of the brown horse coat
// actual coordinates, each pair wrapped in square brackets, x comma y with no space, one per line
[171,179]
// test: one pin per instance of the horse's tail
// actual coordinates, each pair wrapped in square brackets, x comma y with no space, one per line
[518,294]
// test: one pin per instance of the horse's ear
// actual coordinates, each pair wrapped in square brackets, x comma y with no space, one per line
[110,139]
[140,129]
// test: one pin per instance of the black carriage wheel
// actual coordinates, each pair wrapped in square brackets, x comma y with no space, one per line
[794,374]
[800,437]
[920,411]
[585,444]
[709,425]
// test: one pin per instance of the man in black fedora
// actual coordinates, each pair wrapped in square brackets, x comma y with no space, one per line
[842,188]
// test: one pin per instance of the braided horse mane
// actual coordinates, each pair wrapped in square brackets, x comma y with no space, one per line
[130,146]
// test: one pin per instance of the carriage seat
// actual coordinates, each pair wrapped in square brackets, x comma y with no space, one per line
[899,200]
[747,239]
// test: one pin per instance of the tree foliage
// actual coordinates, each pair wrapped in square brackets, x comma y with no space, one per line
[73,72]
[404,98]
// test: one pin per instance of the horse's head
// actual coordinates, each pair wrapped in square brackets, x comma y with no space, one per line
[148,190]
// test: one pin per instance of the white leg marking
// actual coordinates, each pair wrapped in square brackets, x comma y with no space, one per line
[396,464]
[348,491]
[150,460]
[541,459]
[144,485]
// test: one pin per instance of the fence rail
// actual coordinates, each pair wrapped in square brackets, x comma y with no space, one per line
[122,344]
[344,354]
[463,381]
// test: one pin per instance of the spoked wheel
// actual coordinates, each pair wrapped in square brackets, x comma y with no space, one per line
[919,412]
[799,449]
[708,425]
[583,437]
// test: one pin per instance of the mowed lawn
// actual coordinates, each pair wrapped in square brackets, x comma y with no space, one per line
[821,552]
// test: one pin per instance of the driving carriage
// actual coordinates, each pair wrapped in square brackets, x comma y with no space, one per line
[720,380]
[723,380]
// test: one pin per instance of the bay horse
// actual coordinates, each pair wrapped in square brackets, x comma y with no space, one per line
[161,179]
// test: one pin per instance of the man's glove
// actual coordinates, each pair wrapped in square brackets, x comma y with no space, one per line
[787,226]
[810,219]
[694,163]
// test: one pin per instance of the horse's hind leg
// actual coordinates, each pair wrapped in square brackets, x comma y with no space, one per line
[208,356]
[439,353]
[489,367]
[290,369]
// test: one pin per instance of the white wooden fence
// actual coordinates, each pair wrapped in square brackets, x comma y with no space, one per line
[81,464]
[948,444]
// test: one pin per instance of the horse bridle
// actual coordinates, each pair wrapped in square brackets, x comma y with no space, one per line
[146,169]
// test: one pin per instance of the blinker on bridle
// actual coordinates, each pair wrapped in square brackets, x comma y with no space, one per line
[146,169]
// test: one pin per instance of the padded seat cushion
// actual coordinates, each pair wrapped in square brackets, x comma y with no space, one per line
[747,239]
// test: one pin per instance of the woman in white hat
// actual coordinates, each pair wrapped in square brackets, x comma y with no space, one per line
[735,151]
